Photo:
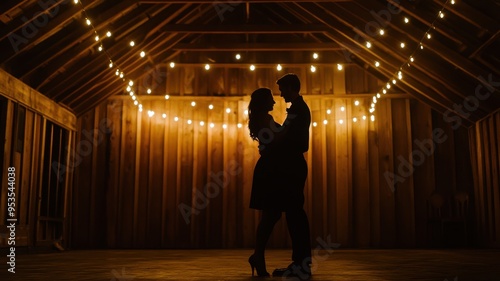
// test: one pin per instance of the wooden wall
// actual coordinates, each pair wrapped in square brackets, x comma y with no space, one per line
[36,136]
[152,182]
[485,154]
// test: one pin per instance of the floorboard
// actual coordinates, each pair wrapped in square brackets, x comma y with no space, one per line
[333,265]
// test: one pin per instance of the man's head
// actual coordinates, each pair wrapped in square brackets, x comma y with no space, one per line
[289,86]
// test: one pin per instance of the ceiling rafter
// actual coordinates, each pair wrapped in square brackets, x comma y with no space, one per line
[69,45]
[138,64]
[451,56]
[435,71]
[52,26]
[341,35]
[80,75]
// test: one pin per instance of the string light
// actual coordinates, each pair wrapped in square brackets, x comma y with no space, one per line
[398,75]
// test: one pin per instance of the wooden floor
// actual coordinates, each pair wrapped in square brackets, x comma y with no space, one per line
[125,265]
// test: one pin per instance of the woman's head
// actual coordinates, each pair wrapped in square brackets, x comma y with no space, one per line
[261,101]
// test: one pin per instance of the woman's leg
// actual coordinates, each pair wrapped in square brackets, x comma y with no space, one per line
[264,230]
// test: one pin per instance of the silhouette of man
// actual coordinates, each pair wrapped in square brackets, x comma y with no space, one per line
[294,144]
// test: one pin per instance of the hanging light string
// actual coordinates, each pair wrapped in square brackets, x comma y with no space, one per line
[411,59]
[129,86]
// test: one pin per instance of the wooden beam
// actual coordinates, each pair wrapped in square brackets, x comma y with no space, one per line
[244,28]
[37,34]
[449,55]
[437,72]
[231,46]
[79,75]
[69,45]
[7,6]
[469,14]
[17,91]
[232,3]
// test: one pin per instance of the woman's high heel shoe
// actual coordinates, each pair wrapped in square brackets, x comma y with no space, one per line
[259,264]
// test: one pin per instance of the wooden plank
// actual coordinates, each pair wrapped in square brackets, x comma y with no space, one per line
[114,119]
[25,174]
[173,204]
[315,194]
[360,177]
[7,157]
[405,218]
[216,166]
[487,181]
[331,170]
[495,138]
[423,176]
[387,171]
[35,174]
[15,90]
[374,181]
[184,172]
[342,183]
[142,188]
[127,174]
[155,178]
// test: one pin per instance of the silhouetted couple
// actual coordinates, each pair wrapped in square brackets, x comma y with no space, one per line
[280,175]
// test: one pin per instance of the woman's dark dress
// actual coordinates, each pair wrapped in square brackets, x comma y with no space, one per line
[268,186]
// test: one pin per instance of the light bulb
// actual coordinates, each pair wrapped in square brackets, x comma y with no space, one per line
[341,121]
[172,64]
[441,14]
[325,121]
[238,56]
[189,121]
[315,56]
[193,103]
[372,118]
[354,119]
[228,110]
[368,44]
[240,125]
[108,33]
[402,45]
[313,68]
[278,67]
[377,64]
[245,112]
[202,123]
[224,126]
[132,43]
[143,54]
[176,118]
[356,102]
[148,91]
[315,124]
[207,66]
[210,106]
[164,115]
[342,108]
[212,125]
[97,38]
[167,97]
[75,1]
[131,83]
[382,32]
[88,22]
[407,20]
[378,95]
[339,67]
[99,48]
[252,67]
[328,111]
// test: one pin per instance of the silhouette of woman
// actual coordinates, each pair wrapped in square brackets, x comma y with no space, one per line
[266,192]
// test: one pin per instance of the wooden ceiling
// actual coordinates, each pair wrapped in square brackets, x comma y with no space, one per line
[48,45]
